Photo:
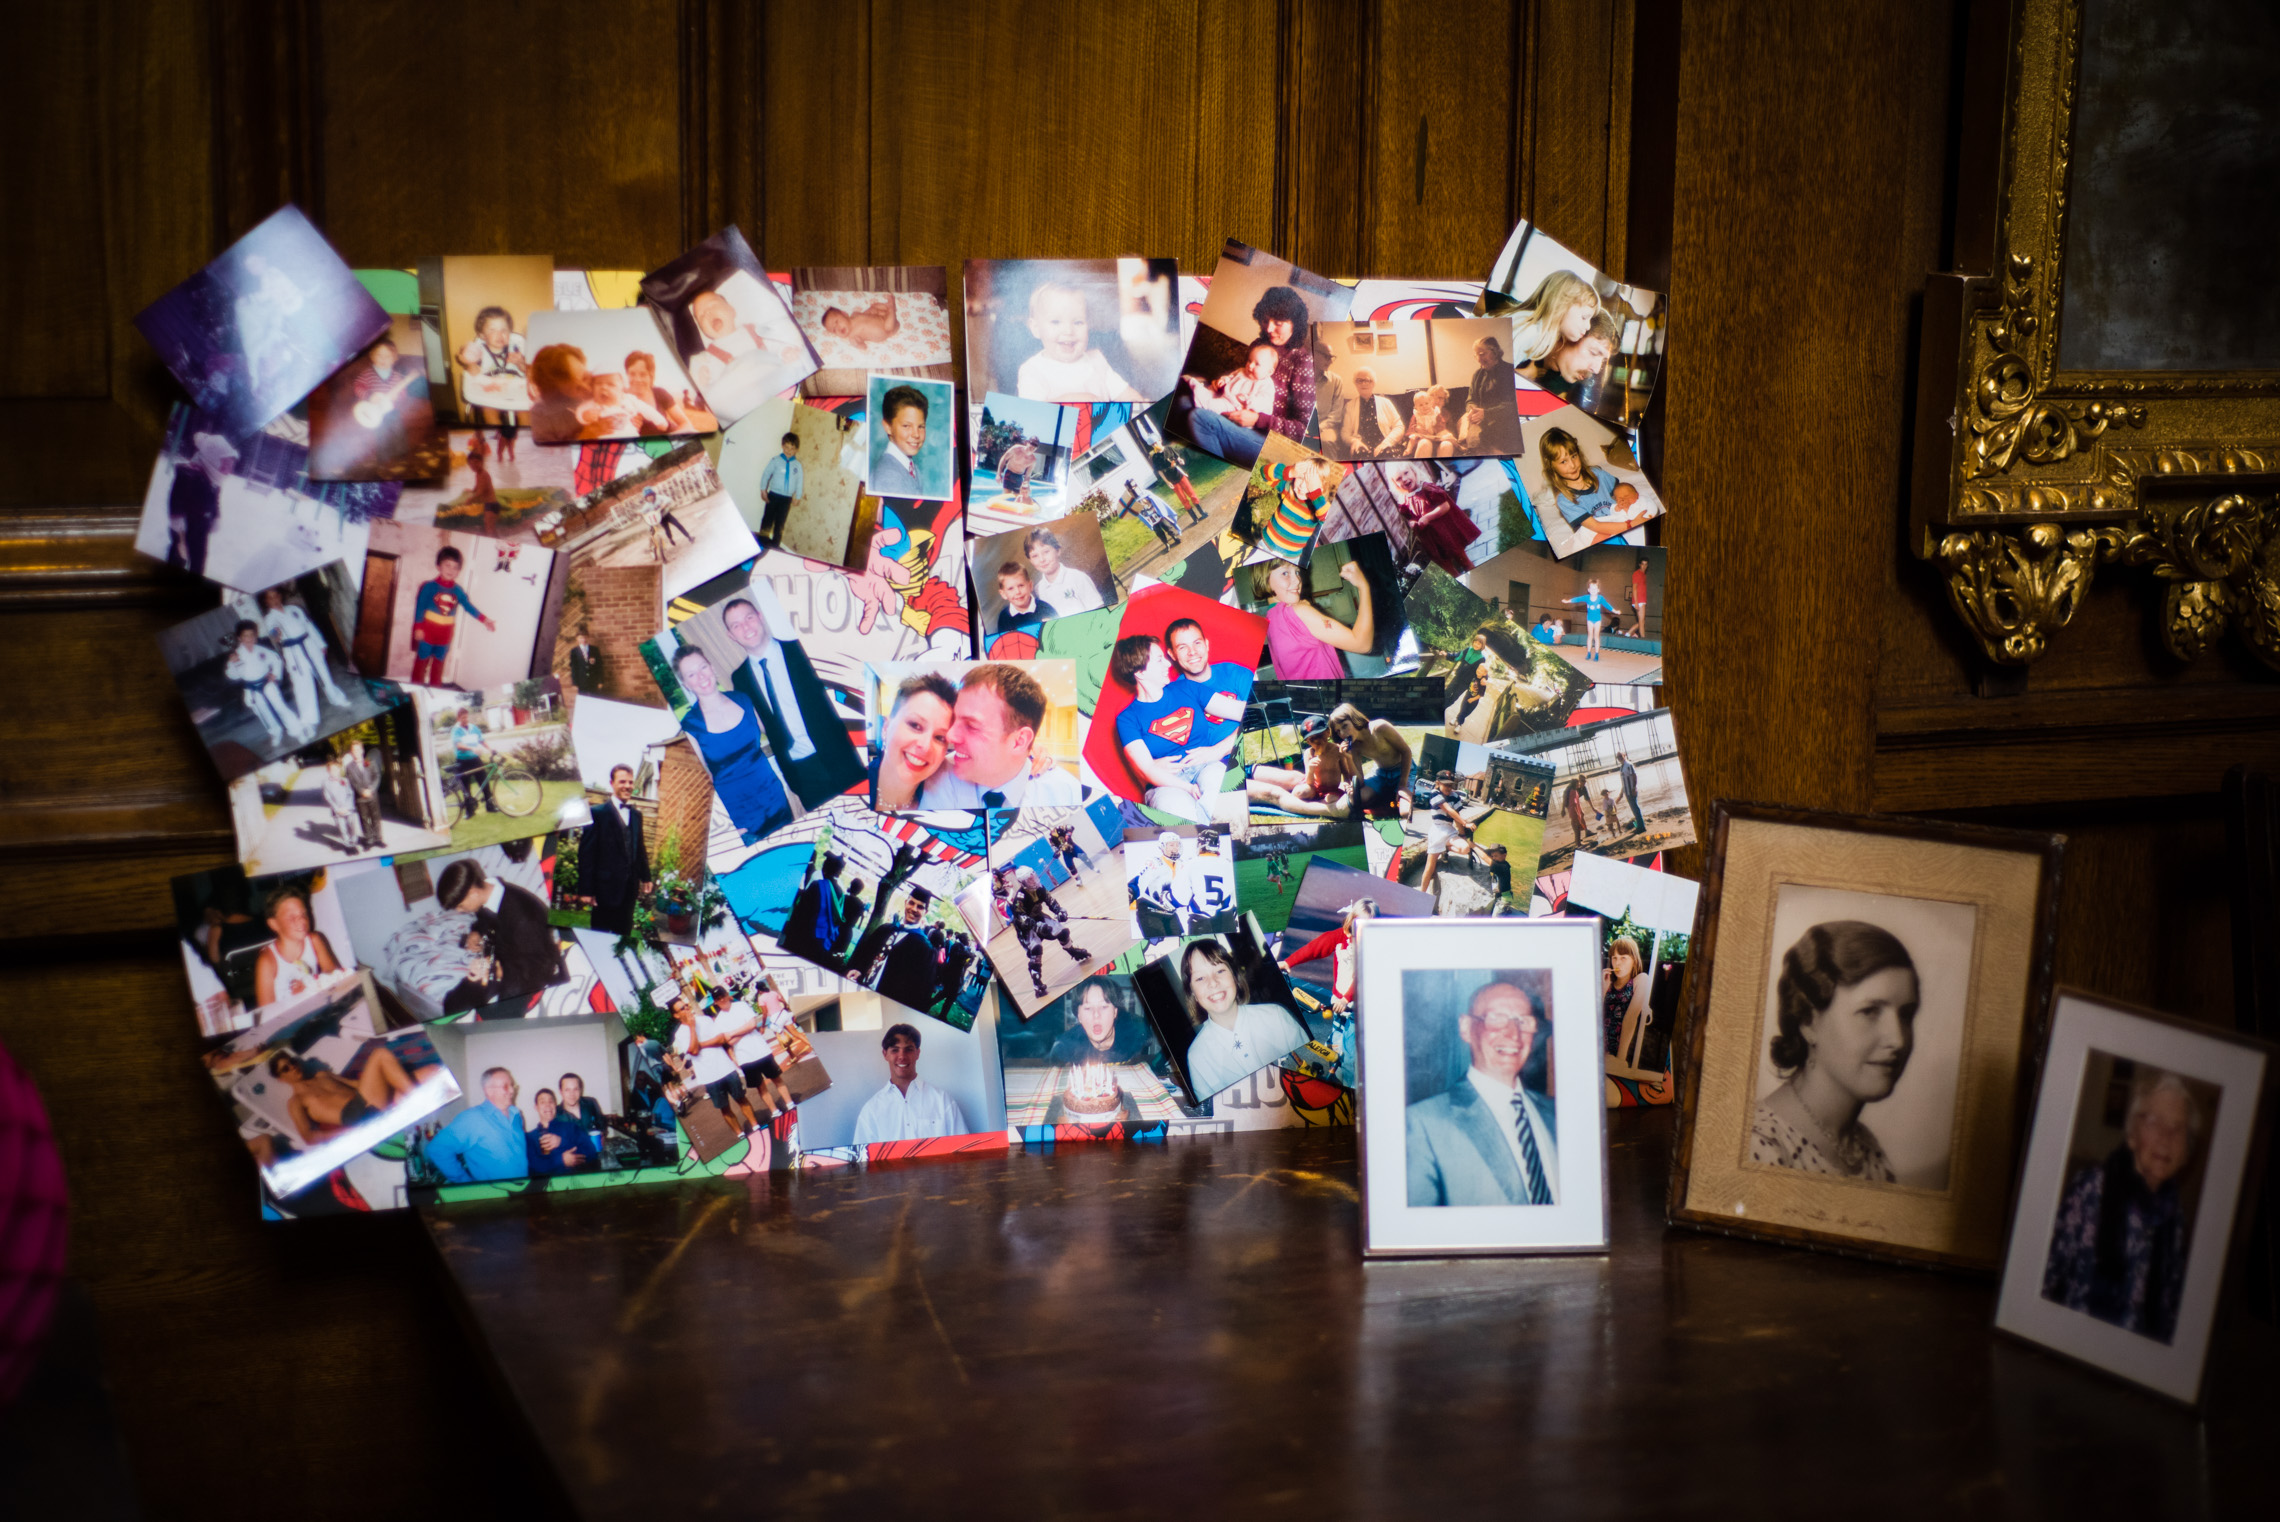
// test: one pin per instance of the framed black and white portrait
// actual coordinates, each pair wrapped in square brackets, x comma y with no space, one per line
[2145,1130]
[1483,1128]
[1860,995]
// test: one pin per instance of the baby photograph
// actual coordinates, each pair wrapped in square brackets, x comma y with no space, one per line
[608,375]
[859,318]
[1072,330]
[730,325]
[1255,298]
[1582,480]
[484,303]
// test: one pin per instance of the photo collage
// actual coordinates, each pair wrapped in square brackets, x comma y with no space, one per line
[714,720]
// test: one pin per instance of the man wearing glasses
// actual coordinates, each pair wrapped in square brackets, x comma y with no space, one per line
[1488,1139]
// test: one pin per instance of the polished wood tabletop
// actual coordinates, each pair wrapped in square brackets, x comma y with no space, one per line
[1147,1332]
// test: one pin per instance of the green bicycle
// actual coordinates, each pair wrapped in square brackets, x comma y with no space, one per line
[508,787]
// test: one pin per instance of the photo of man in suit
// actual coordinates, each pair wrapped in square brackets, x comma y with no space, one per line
[613,858]
[805,733]
[1488,1139]
[524,955]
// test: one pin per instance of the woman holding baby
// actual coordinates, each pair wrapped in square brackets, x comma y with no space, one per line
[1236,434]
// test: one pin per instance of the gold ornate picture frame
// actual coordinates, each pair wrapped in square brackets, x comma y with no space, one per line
[2030,474]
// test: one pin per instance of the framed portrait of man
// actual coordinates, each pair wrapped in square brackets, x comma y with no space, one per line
[1483,1130]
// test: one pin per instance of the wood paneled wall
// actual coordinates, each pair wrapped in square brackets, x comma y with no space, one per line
[1782,164]
[1382,138]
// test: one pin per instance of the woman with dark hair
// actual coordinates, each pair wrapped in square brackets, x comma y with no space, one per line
[914,741]
[1237,435]
[1233,1038]
[2118,1250]
[1846,1018]
[726,730]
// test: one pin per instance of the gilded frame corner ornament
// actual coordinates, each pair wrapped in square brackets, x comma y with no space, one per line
[2046,470]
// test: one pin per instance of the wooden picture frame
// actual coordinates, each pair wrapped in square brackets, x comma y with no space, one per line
[1954,923]
[2119,1056]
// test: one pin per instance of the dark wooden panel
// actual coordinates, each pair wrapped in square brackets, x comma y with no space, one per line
[1125,1332]
[502,129]
[1441,141]
[1784,402]
[1327,71]
[815,111]
[331,1339]
[53,299]
[1577,57]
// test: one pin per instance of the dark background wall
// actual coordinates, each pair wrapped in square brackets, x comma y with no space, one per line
[1783,169]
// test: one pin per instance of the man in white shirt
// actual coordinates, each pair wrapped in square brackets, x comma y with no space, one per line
[1066,588]
[704,1042]
[907,1108]
[1489,1139]
[993,729]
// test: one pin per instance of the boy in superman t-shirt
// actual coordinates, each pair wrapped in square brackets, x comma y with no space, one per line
[435,618]
[1165,733]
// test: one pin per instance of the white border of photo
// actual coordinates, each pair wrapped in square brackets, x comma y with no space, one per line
[1391,1227]
[2080,1024]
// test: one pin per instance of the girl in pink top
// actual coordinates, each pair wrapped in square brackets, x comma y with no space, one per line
[1304,641]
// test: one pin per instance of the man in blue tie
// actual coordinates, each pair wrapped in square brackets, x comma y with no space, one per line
[1488,1139]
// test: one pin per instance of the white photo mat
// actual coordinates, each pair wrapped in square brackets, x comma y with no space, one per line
[1568,950]
[2080,1025]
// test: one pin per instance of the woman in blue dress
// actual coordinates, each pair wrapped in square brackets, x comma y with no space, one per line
[728,735]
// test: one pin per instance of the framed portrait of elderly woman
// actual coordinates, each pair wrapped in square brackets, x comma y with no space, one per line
[1861,992]
[1469,1033]
[2147,1131]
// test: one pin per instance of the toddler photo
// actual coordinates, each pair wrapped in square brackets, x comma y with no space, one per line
[1073,330]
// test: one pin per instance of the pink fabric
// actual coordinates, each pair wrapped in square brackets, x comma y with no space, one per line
[33,1213]
[1298,655]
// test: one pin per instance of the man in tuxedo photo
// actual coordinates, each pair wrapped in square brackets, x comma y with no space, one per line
[1488,1139]
[613,857]
[805,733]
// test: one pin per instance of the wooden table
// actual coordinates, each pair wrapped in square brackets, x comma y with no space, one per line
[1190,1331]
